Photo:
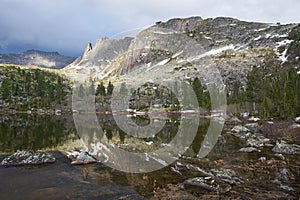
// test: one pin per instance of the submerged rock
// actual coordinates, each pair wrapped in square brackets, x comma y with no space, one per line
[283,179]
[285,148]
[207,184]
[226,175]
[28,158]
[216,180]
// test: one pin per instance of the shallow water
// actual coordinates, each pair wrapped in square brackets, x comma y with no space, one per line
[270,179]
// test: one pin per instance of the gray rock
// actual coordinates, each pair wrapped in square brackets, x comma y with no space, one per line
[249,150]
[262,159]
[297,120]
[243,135]
[294,126]
[28,158]
[223,173]
[207,184]
[81,158]
[251,125]
[285,148]
[279,155]
[226,175]
[283,179]
[239,129]
[258,141]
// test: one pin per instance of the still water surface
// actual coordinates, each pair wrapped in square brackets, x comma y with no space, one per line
[97,181]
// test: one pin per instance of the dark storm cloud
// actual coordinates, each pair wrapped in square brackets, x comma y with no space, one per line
[67,25]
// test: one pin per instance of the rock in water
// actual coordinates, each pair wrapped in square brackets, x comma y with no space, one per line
[28,158]
[81,158]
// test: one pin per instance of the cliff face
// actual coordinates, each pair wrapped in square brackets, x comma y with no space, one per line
[37,58]
[188,47]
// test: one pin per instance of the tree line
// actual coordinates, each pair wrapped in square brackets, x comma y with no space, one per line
[269,94]
[100,90]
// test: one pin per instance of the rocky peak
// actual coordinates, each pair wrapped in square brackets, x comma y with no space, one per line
[87,48]
[180,24]
[99,56]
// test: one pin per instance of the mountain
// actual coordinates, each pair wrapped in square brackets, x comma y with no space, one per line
[186,47]
[250,66]
[37,58]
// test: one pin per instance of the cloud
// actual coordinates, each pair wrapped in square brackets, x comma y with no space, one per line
[66,26]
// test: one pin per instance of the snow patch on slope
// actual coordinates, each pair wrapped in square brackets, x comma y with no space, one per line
[283,56]
[213,52]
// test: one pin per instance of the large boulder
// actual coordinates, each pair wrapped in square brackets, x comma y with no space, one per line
[28,158]
[81,158]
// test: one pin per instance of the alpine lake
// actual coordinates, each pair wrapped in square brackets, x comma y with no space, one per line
[226,172]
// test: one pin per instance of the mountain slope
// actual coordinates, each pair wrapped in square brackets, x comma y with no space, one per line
[37,58]
[191,45]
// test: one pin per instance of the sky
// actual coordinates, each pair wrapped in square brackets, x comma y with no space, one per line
[66,26]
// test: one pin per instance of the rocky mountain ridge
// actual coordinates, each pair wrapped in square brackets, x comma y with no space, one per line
[187,48]
[37,58]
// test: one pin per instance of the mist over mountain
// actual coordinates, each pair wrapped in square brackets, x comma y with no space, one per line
[37,58]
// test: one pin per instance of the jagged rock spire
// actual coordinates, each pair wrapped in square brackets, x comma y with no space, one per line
[88,48]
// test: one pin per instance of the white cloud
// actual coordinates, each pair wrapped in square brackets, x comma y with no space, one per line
[67,25]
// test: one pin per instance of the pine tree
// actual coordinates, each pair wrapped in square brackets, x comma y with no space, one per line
[92,88]
[6,89]
[198,89]
[81,91]
[123,89]
[110,88]
[100,91]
